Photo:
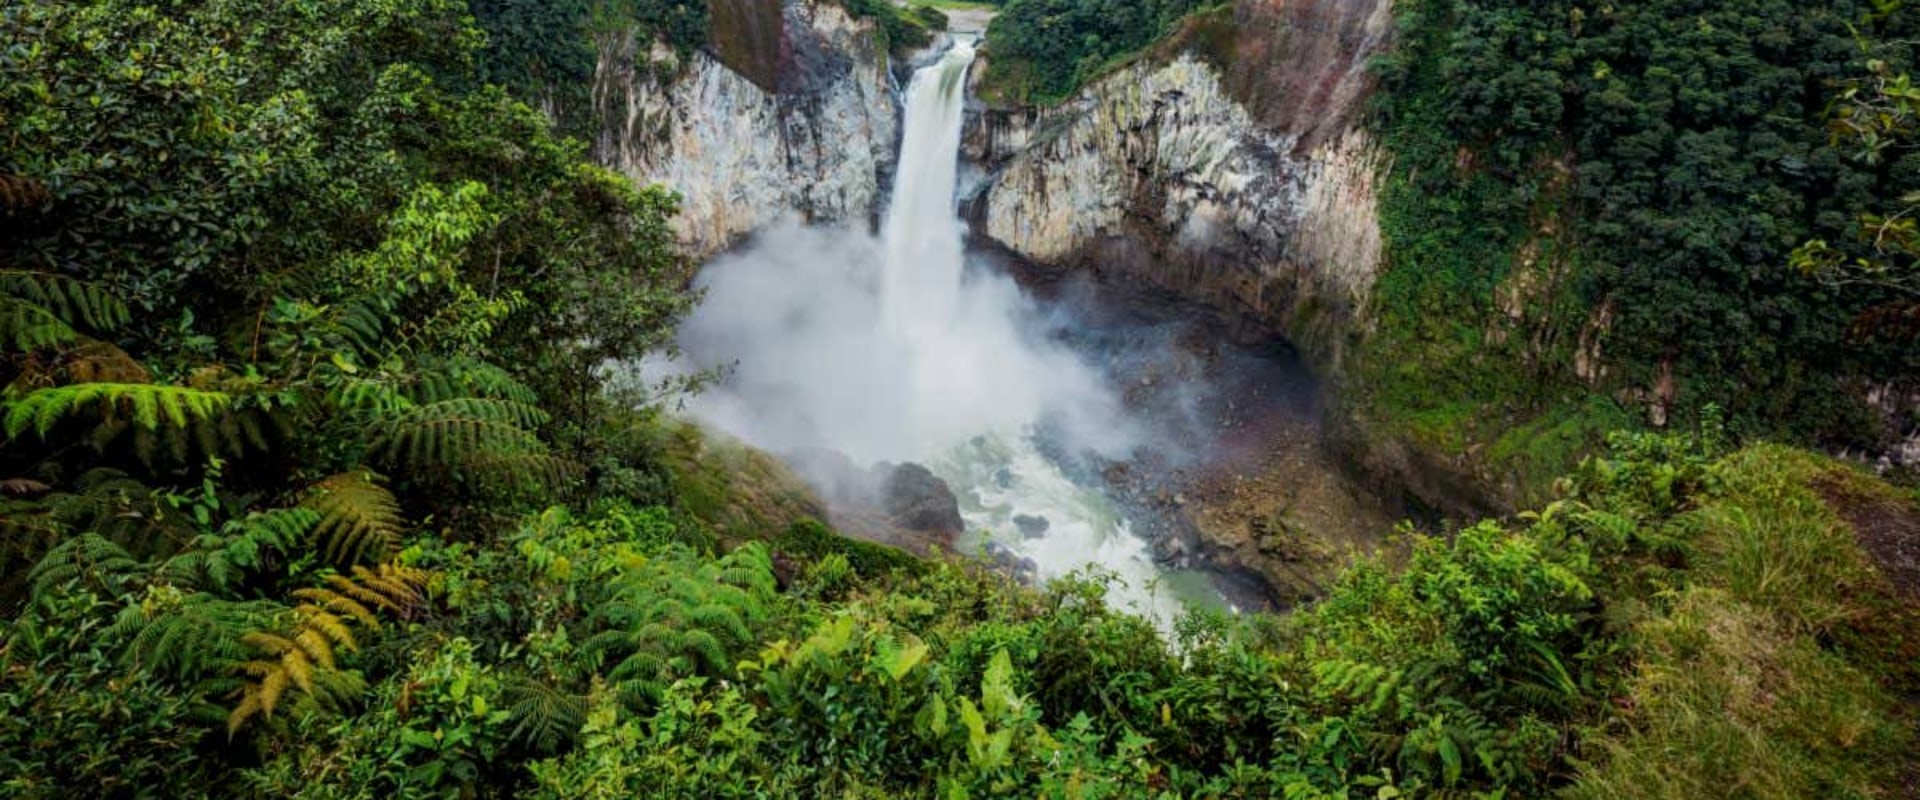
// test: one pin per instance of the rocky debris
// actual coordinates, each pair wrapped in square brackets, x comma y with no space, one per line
[1011,564]
[904,506]
[1031,526]
[918,500]
[1238,480]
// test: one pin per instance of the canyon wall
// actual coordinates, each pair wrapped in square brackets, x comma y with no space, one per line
[1228,167]
[791,112]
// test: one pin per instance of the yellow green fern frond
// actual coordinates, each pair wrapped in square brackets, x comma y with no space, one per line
[359,519]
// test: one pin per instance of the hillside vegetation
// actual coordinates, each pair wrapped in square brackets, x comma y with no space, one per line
[1042,51]
[314,484]
[1599,215]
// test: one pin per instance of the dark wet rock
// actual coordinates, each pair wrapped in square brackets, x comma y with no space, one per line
[904,506]
[1012,564]
[1031,526]
[917,499]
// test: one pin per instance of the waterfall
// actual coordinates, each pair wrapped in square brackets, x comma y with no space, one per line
[921,282]
[890,348]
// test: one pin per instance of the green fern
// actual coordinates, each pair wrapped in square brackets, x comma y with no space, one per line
[103,502]
[218,561]
[545,719]
[40,310]
[186,422]
[359,520]
[456,431]
[71,301]
[672,618]
[462,377]
[480,439]
[190,636]
[299,656]
[25,327]
[88,559]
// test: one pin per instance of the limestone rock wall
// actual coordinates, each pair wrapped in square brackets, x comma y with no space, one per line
[791,113]
[1229,168]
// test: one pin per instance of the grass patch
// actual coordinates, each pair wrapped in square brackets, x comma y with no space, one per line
[1746,680]
[740,492]
[813,541]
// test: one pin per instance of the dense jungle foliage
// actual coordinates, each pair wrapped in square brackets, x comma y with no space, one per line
[1603,208]
[1041,51]
[313,486]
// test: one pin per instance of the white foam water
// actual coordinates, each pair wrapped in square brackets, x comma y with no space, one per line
[890,349]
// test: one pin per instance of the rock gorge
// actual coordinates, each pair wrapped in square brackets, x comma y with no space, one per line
[1249,190]
[791,113]
[1245,193]
[1226,167]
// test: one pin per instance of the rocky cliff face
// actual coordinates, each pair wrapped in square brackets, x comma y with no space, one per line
[792,113]
[1228,168]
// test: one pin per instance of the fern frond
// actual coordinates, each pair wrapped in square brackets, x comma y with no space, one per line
[303,655]
[359,518]
[247,544]
[337,603]
[88,558]
[190,636]
[67,300]
[468,378]
[26,327]
[21,193]
[376,397]
[175,417]
[545,719]
[457,432]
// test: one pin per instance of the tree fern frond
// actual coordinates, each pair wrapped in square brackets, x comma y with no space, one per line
[545,719]
[158,415]
[468,378]
[456,433]
[68,300]
[358,518]
[376,397]
[21,193]
[546,471]
[26,327]
[89,558]
[248,544]
[190,636]
[303,655]
[337,603]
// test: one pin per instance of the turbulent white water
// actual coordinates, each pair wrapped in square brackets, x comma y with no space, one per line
[891,349]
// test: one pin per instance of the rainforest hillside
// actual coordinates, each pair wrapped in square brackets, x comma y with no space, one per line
[1593,215]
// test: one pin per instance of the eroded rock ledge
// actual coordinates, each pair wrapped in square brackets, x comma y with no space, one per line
[792,113]
[1228,169]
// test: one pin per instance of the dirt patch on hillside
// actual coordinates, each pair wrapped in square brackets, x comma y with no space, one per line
[1888,528]
[1300,66]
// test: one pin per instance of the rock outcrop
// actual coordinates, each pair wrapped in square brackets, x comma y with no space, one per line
[791,113]
[898,505]
[1227,168]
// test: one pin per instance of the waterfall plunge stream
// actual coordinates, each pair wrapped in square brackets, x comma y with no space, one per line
[896,349]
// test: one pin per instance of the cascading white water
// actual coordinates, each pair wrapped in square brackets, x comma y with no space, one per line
[890,349]
[920,285]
